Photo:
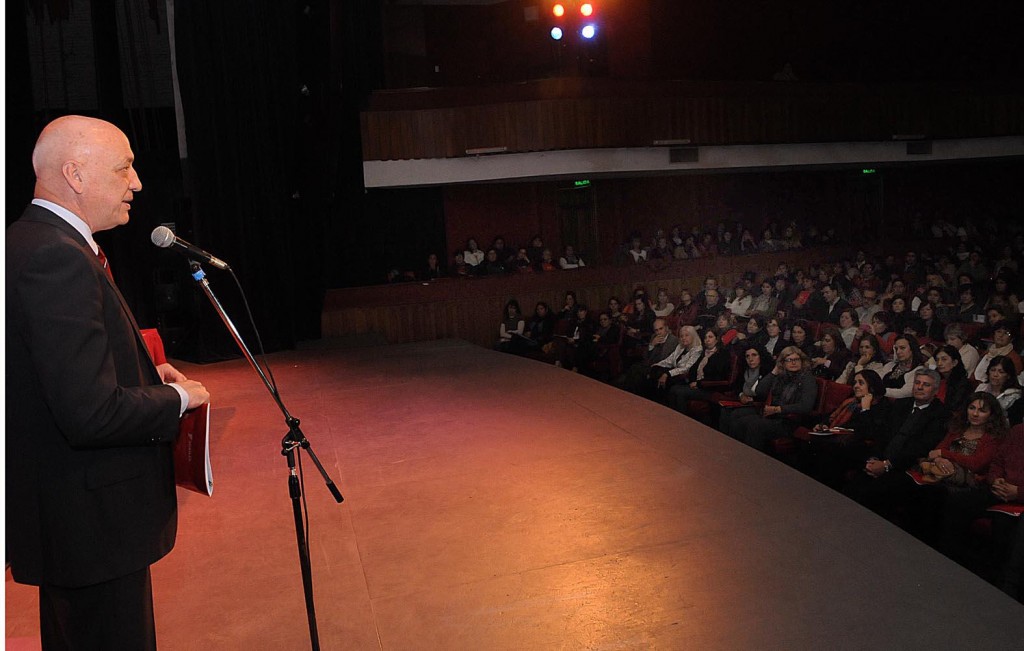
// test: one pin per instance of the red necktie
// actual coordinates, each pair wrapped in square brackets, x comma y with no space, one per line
[103,260]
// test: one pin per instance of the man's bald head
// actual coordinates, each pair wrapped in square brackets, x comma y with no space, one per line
[85,165]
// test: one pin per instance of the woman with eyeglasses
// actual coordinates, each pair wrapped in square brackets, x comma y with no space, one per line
[790,392]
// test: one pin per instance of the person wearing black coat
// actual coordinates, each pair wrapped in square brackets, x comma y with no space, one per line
[714,365]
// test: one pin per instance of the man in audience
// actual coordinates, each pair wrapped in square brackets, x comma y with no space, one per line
[661,346]
[869,306]
[968,311]
[833,302]
[917,425]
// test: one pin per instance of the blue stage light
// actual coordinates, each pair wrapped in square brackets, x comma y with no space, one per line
[556,33]
[589,31]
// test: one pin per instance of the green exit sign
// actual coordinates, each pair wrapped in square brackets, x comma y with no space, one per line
[868,170]
[581,184]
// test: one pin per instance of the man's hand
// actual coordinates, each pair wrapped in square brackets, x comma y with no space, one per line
[197,393]
[170,374]
[875,467]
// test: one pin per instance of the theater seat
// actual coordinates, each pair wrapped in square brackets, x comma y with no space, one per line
[830,396]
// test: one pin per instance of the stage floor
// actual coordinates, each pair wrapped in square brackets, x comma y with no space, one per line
[493,502]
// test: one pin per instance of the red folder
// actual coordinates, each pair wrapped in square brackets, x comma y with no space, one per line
[192,468]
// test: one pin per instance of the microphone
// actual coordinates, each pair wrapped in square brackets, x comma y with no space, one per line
[166,239]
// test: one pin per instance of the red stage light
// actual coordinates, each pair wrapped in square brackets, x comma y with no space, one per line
[558,10]
[586,9]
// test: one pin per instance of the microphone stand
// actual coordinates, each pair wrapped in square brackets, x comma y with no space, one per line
[292,440]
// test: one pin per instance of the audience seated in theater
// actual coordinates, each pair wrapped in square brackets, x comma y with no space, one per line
[899,312]
[662,306]
[661,250]
[766,303]
[432,270]
[768,241]
[775,342]
[492,265]
[741,301]
[898,374]
[869,356]
[581,338]
[661,345]
[639,323]
[710,285]
[570,260]
[967,310]
[540,328]
[473,256]
[829,458]
[955,385]
[994,317]
[713,365]
[568,311]
[930,327]
[869,306]
[1005,293]
[505,256]
[916,426]
[727,245]
[725,324]
[673,369]
[881,327]
[1002,382]
[459,268]
[747,242]
[512,324]
[849,327]
[790,393]
[800,335]
[974,267]
[603,342]
[615,309]
[1002,344]
[802,306]
[753,333]
[971,442]
[1002,561]
[756,364]
[547,261]
[868,280]
[536,248]
[830,358]
[710,309]
[637,253]
[968,353]
[522,263]
[834,303]
[688,309]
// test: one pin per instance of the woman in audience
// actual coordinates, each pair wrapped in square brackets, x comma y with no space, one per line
[713,366]
[757,364]
[1002,344]
[775,342]
[849,326]
[637,253]
[955,386]
[615,308]
[540,328]
[954,336]
[663,307]
[604,341]
[472,256]
[547,261]
[755,333]
[830,361]
[512,324]
[766,303]
[868,279]
[726,325]
[568,311]
[1002,382]
[931,327]
[899,312]
[881,327]
[898,375]
[492,265]
[674,368]
[800,336]
[1003,562]
[791,392]
[855,421]
[640,322]
[459,268]
[740,304]
[747,242]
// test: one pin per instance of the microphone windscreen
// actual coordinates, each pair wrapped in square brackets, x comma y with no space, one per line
[162,237]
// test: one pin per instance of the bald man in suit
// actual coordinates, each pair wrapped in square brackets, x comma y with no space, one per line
[90,419]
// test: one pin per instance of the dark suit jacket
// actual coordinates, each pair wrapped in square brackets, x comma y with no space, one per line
[90,479]
[832,316]
[904,442]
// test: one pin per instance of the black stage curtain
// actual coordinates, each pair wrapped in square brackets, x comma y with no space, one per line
[241,96]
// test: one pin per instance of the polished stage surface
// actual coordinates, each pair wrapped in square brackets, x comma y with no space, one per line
[493,502]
